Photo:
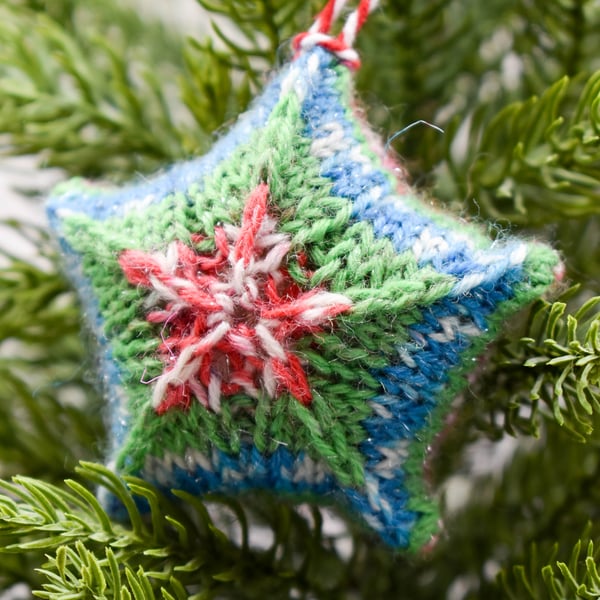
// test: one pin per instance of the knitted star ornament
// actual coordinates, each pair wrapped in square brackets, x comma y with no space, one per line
[286,313]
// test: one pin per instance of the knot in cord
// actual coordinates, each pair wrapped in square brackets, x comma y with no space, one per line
[340,45]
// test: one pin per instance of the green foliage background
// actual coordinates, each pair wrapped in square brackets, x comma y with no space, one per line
[93,88]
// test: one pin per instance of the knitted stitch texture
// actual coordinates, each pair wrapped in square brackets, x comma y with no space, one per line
[285,313]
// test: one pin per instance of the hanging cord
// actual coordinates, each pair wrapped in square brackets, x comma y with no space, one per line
[340,45]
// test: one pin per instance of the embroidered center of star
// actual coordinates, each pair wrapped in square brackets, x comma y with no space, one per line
[231,317]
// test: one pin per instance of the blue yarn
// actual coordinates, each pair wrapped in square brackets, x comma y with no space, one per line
[388,215]
[411,393]
[256,470]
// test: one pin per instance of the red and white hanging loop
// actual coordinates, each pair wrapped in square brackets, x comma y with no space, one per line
[341,44]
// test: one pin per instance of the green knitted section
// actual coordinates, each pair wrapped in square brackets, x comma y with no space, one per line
[538,276]
[343,256]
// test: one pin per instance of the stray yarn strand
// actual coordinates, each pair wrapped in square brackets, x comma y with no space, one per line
[409,127]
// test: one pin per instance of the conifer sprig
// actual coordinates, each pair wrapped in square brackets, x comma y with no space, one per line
[107,105]
[550,578]
[49,417]
[554,40]
[175,551]
[256,30]
[77,101]
[564,352]
[537,161]
[552,371]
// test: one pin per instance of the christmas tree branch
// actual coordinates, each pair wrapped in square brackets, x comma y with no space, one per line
[87,104]
[557,364]
[555,40]
[77,102]
[255,31]
[86,550]
[565,356]
[174,551]
[49,418]
[546,492]
[550,578]
[208,88]
[82,20]
[537,161]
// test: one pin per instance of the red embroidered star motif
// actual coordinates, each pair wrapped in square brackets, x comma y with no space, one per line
[230,318]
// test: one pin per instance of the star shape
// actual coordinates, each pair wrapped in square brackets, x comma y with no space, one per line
[232,316]
[285,313]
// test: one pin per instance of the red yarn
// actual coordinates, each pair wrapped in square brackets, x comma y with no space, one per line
[340,45]
[230,317]
[254,214]
[325,17]
[363,10]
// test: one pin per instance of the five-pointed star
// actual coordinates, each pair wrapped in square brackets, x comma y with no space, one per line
[332,375]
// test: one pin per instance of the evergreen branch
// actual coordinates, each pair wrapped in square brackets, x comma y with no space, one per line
[183,550]
[84,103]
[537,161]
[127,26]
[556,40]
[208,89]
[86,551]
[261,26]
[173,551]
[565,355]
[555,579]
[579,577]
[74,570]
[48,412]
[546,492]
[80,101]
[556,364]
